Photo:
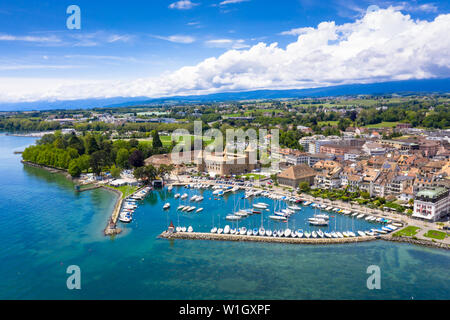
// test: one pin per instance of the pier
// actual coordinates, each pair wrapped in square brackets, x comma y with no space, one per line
[234,237]
[111,227]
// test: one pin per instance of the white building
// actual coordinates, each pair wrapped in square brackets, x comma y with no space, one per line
[432,204]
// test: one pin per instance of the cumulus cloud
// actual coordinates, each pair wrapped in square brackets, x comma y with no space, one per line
[383,45]
[182,5]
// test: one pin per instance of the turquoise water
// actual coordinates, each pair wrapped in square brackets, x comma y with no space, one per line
[45,226]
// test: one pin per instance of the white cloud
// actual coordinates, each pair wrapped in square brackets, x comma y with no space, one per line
[183,5]
[232,1]
[177,38]
[8,37]
[383,45]
[296,31]
[227,43]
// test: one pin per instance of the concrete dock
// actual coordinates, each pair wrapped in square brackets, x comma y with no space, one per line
[234,237]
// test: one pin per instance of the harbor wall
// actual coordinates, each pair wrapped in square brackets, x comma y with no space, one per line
[419,242]
[234,237]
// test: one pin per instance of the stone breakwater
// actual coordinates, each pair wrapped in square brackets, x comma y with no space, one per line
[111,227]
[233,237]
[419,242]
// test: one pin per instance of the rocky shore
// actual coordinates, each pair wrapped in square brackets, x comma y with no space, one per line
[420,242]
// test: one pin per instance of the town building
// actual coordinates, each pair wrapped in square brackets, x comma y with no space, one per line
[294,175]
[228,163]
[431,204]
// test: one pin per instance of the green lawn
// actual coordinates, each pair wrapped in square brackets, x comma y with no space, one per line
[435,234]
[126,190]
[327,123]
[382,125]
[254,175]
[407,232]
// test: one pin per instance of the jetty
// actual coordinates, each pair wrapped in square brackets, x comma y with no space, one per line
[234,237]
[111,227]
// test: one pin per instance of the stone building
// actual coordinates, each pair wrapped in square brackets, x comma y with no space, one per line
[294,175]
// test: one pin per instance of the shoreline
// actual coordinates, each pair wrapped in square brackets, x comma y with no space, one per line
[418,242]
[111,225]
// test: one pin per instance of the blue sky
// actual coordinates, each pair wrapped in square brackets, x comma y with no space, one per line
[126,41]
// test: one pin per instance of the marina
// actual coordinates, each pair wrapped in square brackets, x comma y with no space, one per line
[255,213]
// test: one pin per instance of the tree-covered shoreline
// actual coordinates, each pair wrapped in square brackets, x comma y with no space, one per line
[91,153]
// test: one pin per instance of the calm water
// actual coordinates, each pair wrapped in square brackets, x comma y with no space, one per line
[45,226]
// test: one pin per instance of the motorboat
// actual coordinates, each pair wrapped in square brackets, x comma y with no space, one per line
[199,210]
[260,206]
[125,218]
[166,206]
[361,233]
[318,222]
[279,218]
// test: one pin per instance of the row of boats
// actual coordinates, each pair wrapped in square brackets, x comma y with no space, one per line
[130,205]
[288,233]
[356,215]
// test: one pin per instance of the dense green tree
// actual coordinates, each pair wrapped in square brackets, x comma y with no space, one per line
[122,158]
[74,168]
[156,141]
[136,159]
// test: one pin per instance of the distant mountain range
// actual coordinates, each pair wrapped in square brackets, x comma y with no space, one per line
[399,87]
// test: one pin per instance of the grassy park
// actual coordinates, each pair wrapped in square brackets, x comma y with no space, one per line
[409,231]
